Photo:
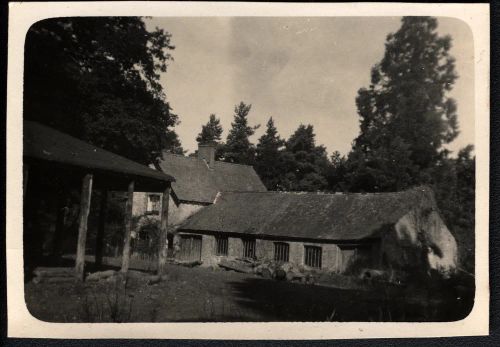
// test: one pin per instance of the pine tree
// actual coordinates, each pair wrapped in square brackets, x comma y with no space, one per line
[406,114]
[210,132]
[268,159]
[305,163]
[238,148]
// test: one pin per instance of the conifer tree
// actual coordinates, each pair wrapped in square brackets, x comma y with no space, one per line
[306,164]
[269,161]
[210,132]
[238,148]
[406,113]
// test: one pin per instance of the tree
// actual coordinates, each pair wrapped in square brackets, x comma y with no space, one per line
[406,114]
[238,148]
[454,187]
[81,78]
[210,132]
[269,159]
[337,172]
[306,164]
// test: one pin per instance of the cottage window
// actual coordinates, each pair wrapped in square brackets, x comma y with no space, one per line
[221,245]
[249,248]
[312,256]
[153,204]
[281,251]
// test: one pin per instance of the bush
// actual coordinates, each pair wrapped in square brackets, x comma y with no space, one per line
[147,236]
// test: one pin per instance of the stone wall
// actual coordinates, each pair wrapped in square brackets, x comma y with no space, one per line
[332,256]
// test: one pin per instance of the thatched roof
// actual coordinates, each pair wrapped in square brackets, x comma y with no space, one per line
[44,143]
[196,182]
[308,215]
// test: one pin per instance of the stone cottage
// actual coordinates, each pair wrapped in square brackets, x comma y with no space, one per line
[323,231]
[198,181]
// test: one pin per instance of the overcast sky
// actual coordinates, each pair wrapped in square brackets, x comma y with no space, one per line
[297,70]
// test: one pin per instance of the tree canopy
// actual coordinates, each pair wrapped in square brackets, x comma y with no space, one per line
[406,115]
[97,78]
[238,148]
[211,131]
[306,164]
[269,158]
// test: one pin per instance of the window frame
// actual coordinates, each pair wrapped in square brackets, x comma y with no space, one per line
[221,245]
[150,204]
[246,242]
[315,258]
[281,252]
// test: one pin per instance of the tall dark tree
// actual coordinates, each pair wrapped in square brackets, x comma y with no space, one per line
[269,158]
[454,187]
[238,148]
[97,78]
[210,132]
[337,173]
[305,163]
[406,113]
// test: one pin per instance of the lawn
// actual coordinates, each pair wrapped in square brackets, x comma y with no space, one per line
[215,295]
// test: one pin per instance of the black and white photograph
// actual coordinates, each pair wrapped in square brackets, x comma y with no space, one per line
[246,168]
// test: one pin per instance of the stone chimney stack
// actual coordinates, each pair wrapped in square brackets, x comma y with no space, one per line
[206,151]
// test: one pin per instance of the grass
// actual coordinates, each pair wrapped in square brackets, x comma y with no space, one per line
[206,295]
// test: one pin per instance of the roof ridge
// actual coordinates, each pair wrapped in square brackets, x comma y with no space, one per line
[198,159]
[226,162]
[321,192]
[283,192]
[182,156]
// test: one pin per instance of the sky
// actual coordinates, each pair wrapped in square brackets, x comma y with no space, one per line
[297,70]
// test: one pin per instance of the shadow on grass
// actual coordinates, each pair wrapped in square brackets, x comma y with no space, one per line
[285,301]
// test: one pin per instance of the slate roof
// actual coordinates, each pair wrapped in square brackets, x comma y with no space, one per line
[308,215]
[196,182]
[47,144]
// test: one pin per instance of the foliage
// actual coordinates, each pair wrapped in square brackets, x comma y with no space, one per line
[97,78]
[210,132]
[238,148]
[455,194]
[269,159]
[306,165]
[148,236]
[406,115]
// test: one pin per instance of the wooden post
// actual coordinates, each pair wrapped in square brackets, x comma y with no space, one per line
[128,227]
[163,240]
[101,227]
[82,224]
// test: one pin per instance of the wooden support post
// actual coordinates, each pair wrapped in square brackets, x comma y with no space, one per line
[82,225]
[128,227]
[101,227]
[163,240]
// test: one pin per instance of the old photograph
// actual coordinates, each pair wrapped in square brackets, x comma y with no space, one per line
[249,169]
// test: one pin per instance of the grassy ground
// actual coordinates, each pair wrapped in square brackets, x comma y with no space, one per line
[207,295]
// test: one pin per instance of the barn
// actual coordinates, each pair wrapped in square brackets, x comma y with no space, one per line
[332,232]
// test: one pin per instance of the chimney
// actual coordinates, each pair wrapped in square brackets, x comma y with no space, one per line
[206,151]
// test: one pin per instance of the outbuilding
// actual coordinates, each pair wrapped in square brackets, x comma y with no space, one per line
[332,232]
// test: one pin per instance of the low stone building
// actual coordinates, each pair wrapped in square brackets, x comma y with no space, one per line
[198,181]
[333,232]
